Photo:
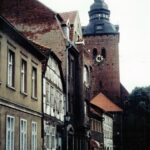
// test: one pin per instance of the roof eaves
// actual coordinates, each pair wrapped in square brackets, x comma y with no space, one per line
[20,38]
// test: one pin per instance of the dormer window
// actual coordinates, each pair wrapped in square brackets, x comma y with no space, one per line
[66,31]
[99,27]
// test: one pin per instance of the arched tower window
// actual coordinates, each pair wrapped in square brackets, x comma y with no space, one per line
[100,85]
[94,53]
[91,69]
[103,52]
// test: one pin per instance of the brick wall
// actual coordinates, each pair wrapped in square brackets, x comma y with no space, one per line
[107,72]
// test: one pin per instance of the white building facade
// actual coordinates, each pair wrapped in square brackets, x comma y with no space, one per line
[53,105]
[108,132]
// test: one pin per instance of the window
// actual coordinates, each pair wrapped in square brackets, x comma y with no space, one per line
[71,67]
[85,75]
[100,84]
[85,108]
[48,137]
[99,27]
[0,58]
[94,53]
[103,52]
[61,107]
[61,103]
[53,140]
[23,76]
[52,98]
[48,98]
[10,123]
[57,101]
[11,69]
[66,31]
[23,134]
[34,82]
[34,136]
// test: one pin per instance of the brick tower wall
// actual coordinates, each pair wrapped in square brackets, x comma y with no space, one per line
[105,76]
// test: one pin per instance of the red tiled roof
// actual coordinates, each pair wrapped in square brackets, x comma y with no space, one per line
[105,103]
[71,15]
[31,17]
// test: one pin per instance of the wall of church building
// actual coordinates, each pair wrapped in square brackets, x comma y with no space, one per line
[105,77]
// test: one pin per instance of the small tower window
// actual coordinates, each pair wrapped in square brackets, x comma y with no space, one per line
[91,69]
[103,52]
[94,53]
[100,84]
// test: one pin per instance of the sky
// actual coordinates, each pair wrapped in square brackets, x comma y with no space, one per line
[133,18]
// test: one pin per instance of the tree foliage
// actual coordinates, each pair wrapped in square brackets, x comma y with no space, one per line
[136,121]
[140,96]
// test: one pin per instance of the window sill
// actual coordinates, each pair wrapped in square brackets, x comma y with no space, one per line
[10,87]
[24,93]
[34,98]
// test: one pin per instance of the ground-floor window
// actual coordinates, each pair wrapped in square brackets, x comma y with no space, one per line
[50,140]
[23,134]
[10,124]
[34,136]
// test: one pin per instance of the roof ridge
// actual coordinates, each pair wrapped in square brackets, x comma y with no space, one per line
[69,11]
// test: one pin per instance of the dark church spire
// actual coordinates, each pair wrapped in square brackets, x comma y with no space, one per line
[99,23]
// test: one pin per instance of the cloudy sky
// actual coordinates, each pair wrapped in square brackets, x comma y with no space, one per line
[133,17]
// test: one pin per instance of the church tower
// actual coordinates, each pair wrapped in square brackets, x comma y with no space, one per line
[102,39]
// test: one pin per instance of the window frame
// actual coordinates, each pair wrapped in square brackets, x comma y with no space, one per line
[53,137]
[24,139]
[86,75]
[11,83]
[12,133]
[34,136]
[52,98]
[85,109]
[0,57]
[104,53]
[34,83]
[24,81]
[48,97]
[57,101]
[48,135]
[94,53]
